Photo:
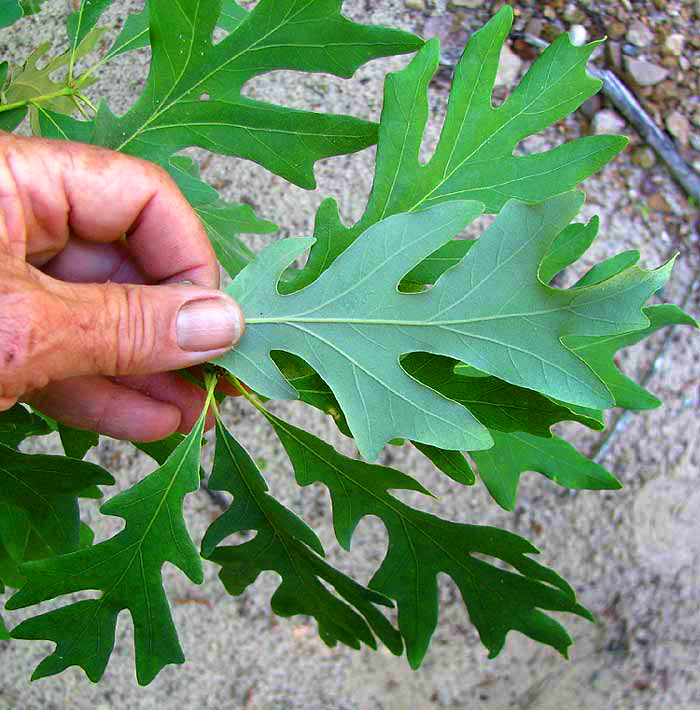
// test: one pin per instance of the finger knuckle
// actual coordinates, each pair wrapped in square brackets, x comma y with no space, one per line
[21,344]
[132,338]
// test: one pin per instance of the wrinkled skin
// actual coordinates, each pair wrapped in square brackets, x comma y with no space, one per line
[93,245]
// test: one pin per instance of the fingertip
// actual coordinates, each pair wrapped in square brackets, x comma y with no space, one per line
[209,322]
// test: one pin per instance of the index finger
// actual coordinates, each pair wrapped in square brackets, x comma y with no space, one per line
[101,195]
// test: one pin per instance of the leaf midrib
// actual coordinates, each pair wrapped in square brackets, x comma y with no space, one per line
[448,174]
[167,105]
[287,540]
[398,508]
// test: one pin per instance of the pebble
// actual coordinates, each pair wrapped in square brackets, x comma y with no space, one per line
[694,139]
[590,107]
[674,44]
[614,54]
[472,4]
[508,68]
[644,157]
[659,203]
[678,127]
[666,90]
[534,27]
[415,4]
[645,73]
[639,34]
[607,121]
[578,35]
[616,29]
[574,14]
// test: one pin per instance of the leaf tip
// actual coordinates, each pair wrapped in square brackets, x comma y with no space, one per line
[505,14]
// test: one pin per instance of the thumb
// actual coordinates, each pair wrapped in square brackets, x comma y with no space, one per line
[70,330]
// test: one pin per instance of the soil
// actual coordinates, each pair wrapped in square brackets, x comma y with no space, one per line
[633,555]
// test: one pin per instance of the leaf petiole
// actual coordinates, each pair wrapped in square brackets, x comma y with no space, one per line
[247,394]
[86,101]
[65,91]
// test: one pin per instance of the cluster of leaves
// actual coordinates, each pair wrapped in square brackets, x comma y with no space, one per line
[397,327]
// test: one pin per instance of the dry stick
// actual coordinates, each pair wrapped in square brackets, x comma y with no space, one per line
[626,103]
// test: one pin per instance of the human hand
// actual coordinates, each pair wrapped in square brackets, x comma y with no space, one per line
[87,318]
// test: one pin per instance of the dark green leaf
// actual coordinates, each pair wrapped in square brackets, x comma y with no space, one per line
[60,126]
[77,442]
[514,453]
[311,388]
[451,463]
[15,526]
[159,451]
[222,220]
[495,403]
[46,488]
[10,12]
[127,570]
[4,633]
[35,549]
[10,574]
[134,35]
[9,120]
[18,423]
[286,545]
[279,34]
[568,248]
[31,7]
[421,546]
[608,268]
[81,22]
[432,268]
[4,69]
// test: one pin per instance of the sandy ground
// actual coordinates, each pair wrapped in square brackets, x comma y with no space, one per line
[633,556]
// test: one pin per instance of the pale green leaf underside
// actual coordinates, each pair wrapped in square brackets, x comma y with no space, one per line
[491,311]
[599,354]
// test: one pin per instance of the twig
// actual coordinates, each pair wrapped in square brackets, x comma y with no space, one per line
[626,103]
